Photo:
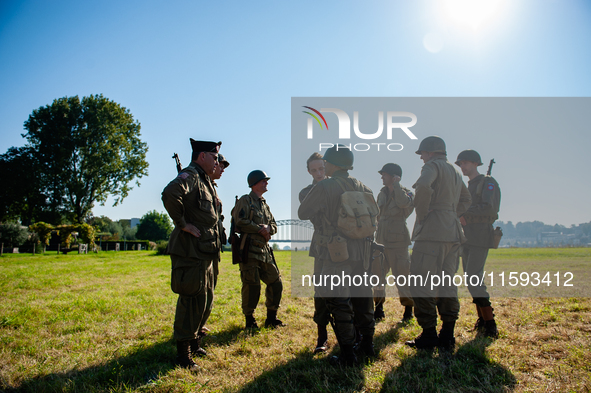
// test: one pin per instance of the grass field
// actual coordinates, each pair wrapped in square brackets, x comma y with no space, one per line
[103,323]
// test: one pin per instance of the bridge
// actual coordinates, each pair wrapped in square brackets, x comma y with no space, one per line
[293,231]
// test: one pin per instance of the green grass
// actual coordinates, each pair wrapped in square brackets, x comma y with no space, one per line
[103,323]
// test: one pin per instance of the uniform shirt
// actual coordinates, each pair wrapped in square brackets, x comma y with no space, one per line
[313,242]
[395,207]
[323,203]
[250,211]
[483,212]
[440,198]
[191,199]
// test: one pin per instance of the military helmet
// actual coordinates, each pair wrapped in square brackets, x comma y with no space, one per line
[469,155]
[391,169]
[256,176]
[339,155]
[432,144]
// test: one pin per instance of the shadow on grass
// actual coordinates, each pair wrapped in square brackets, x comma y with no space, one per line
[467,370]
[307,373]
[142,367]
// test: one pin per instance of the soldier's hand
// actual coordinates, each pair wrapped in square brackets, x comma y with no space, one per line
[463,221]
[192,229]
[265,232]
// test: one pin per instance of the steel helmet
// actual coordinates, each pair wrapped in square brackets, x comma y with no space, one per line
[432,144]
[339,155]
[256,176]
[469,155]
[391,169]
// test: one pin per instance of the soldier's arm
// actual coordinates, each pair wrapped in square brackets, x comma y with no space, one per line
[400,196]
[489,201]
[241,215]
[313,204]
[172,198]
[423,190]
[272,226]
[465,200]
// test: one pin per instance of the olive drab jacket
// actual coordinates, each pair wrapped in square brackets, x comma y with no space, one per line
[248,213]
[303,193]
[321,205]
[395,207]
[483,212]
[191,199]
[440,198]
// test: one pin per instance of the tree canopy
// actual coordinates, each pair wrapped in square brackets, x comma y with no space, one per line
[79,152]
[154,226]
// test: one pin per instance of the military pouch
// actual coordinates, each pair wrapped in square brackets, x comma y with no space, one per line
[337,248]
[497,235]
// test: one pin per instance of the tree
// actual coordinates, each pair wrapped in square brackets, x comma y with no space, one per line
[83,151]
[154,226]
[12,234]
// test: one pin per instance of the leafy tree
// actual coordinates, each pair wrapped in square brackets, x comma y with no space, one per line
[12,234]
[154,226]
[83,151]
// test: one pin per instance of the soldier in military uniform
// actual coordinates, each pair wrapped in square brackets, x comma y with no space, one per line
[440,198]
[315,165]
[477,222]
[190,200]
[396,204]
[349,306]
[217,174]
[253,219]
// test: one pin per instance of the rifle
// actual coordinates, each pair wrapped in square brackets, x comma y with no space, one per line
[488,172]
[179,167]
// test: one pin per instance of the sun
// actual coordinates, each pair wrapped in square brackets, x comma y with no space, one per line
[473,13]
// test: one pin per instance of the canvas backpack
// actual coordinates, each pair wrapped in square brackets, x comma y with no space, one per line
[358,211]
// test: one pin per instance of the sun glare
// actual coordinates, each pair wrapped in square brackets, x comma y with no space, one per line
[473,13]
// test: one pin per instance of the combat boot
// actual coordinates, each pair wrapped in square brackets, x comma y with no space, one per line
[480,321]
[426,340]
[490,326]
[182,358]
[321,343]
[251,323]
[196,349]
[447,341]
[366,346]
[347,357]
[407,316]
[379,313]
[272,321]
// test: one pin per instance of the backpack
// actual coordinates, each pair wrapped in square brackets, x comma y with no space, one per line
[358,211]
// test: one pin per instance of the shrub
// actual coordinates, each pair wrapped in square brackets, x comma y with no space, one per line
[161,247]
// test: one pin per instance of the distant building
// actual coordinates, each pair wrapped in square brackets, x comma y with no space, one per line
[132,222]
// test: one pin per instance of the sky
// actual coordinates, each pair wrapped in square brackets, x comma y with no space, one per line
[228,70]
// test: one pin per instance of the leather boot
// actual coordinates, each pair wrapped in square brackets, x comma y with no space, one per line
[182,358]
[196,349]
[407,316]
[321,342]
[480,321]
[426,340]
[347,357]
[447,341]
[379,313]
[490,326]
[366,346]
[272,321]
[251,323]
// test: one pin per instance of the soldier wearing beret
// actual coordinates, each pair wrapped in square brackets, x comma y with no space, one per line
[191,201]
[253,219]
[396,204]
[477,222]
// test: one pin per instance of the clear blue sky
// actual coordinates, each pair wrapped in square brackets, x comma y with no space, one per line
[227,71]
